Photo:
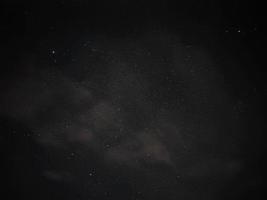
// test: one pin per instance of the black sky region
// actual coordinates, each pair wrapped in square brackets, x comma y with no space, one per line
[132,100]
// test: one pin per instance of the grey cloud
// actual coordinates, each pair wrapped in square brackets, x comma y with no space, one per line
[124,123]
[142,148]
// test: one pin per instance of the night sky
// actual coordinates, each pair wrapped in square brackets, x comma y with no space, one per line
[132,100]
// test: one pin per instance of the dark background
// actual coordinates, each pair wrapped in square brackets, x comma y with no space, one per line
[47,42]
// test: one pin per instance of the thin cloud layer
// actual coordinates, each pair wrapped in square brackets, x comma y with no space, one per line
[129,111]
